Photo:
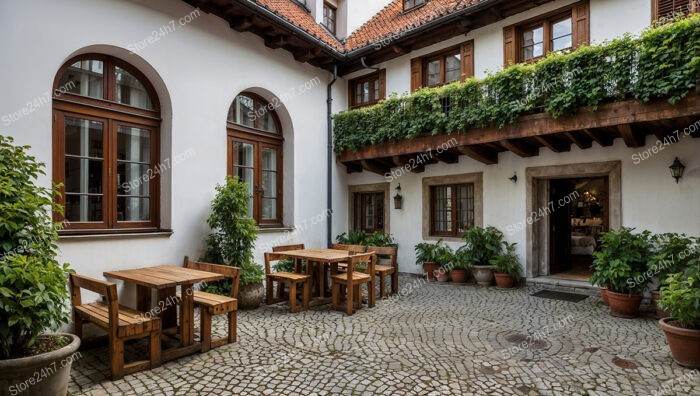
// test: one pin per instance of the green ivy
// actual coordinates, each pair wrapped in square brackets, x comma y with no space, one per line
[663,63]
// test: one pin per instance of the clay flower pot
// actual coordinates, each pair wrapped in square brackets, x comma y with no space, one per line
[624,305]
[250,296]
[684,343]
[459,275]
[504,281]
[604,295]
[483,274]
[429,269]
[442,276]
[660,313]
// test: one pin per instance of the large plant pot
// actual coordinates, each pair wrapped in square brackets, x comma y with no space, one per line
[429,269]
[459,275]
[46,374]
[442,275]
[660,312]
[250,296]
[624,305]
[604,295]
[504,281]
[483,275]
[684,343]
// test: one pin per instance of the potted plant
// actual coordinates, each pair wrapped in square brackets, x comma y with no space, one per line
[621,264]
[670,256]
[444,262]
[33,292]
[427,254]
[506,267]
[232,242]
[482,245]
[681,297]
[461,265]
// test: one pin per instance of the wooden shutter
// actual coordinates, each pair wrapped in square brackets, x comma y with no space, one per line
[581,24]
[351,93]
[509,46]
[382,84]
[416,74]
[467,54]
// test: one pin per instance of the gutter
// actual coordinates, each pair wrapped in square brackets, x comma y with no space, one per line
[329,165]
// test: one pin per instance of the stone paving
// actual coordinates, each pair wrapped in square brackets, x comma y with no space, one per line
[437,339]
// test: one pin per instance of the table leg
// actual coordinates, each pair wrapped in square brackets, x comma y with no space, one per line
[187,315]
[321,280]
[168,312]
[143,298]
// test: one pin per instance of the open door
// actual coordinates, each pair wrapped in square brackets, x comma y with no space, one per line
[560,226]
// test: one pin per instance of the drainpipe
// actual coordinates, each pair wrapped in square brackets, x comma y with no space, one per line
[329,132]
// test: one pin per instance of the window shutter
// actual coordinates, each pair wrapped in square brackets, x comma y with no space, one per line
[581,24]
[667,8]
[416,74]
[509,46]
[351,93]
[382,84]
[467,54]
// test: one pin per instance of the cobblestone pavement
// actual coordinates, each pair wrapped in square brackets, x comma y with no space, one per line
[438,339]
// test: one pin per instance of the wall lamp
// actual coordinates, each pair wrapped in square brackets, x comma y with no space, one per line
[677,169]
[398,199]
[514,178]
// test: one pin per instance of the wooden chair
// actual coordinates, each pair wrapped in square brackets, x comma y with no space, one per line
[120,322]
[385,267]
[352,280]
[215,304]
[353,249]
[287,278]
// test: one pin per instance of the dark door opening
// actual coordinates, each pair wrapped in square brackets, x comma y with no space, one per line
[579,215]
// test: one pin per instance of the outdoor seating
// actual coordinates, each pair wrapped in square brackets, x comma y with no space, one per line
[352,280]
[293,280]
[389,266]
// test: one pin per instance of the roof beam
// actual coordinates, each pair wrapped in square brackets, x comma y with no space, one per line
[602,138]
[554,144]
[520,148]
[403,161]
[375,167]
[277,41]
[632,138]
[242,23]
[481,154]
[448,157]
[583,142]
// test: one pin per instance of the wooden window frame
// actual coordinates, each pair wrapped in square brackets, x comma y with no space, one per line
[442,58]
[692,4]
[417,4]
[547,38]
[112,114]
[419,69]
[379,198]
[455,211]
[259,139]
[326,16]
[380,76]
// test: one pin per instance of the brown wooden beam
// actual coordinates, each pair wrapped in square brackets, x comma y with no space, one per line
[600,137]
[241,23]
[375,167]
[554,144]
[277,41]
[448,157]
[583,142]
[353,167]
[631,137]
[412,163]
[481,154]
[520,148]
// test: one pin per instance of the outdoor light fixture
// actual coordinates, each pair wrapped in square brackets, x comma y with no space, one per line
[677,169]
[514,178]
[398,199]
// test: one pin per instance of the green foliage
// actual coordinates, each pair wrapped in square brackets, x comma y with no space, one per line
[482,245]
[437,252]
[33,284]
[681,295]
[508,263]
[621,263]
[359,237]
[672,253]
[661,64]
[286,265]
[233,236]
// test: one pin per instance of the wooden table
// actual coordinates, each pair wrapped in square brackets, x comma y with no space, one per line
[165,279]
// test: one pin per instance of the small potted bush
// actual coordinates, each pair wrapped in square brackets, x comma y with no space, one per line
[33,284]
[671,255]
[621,264]
[482,245]
[506,267]
[232,242]
[428,254]
[681,297]
[444,262]
[461,265]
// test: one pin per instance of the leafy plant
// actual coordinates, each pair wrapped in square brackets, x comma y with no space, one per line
[461,259]
[621,263]
[671,253]
[286,265]
[233,236]
[427,252]
[661,64]
[359,237]
[33,292]
[508,263]
[482,245]
[681,296]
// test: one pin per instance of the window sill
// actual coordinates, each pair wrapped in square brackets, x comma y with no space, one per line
[106,236]
[272,230]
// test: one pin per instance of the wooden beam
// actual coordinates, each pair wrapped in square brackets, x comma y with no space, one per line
[241,23]
[306,55]
[600,137]
[353,167]
[481,154]
[448,157]
[556,145]
[375,167]
[583,142]
[631,137]
[520,148]
[412,163]
[400,49]
[277,41]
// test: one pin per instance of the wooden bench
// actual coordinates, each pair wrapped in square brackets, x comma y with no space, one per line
[215,304]
[352,280]
[287,278]
[387,264]
[121,323]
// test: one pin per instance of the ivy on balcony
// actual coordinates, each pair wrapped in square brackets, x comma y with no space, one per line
[662,63]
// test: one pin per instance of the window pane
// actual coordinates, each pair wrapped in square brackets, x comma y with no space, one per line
[561,35]
[83,137]
[269,159]
[245,114]
[133,209]
[365,92]
[358,93]
[376,90]
[243,168]
[243,154]
[83,169]
[131,91]
[133,144]
[453,68]
[269,209]
[266,120]
[465,212]
[133,179]
[84,78]
[83,208]
[83,176]
[533,45]
[379,199]
[434,73]
[369,212]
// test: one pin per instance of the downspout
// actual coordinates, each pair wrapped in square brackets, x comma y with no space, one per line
[329,132]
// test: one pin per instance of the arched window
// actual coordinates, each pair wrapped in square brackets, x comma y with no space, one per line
[255,155]
[106,120]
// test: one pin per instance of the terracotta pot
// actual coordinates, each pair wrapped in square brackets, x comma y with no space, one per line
[660,313]
[604,295]
[442,276]
[504,281]
[624,305]
[459,275]
[684,343]
[483,275]
[429,269]
[19,376]
[250,296]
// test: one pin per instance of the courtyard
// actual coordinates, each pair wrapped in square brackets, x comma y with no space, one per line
[431,339]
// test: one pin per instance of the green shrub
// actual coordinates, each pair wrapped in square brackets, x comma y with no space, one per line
[508,263]
[33,284]
[437,252]
[359,237]
[681,296]
[482,245]
[621,263]
[672,253]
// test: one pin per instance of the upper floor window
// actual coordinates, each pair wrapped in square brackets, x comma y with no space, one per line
[668,9]
[106,123]
[367,90]
[255,155]
[329,17]
[443,68]
[410,4]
